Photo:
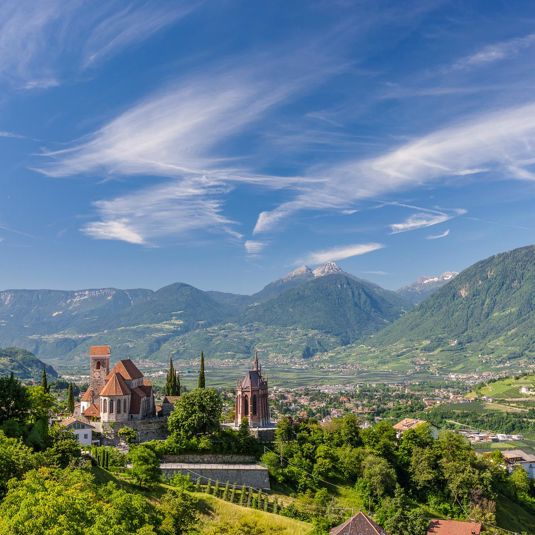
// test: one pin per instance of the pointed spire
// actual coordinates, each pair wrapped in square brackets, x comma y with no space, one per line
[256,365]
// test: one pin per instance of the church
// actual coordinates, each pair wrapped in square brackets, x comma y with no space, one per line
[119,395]
[252,398]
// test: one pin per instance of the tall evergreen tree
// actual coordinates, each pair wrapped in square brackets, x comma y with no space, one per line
[172,382]
[169,378]
[202,380]
[44,380]
[177,383]
[70,398]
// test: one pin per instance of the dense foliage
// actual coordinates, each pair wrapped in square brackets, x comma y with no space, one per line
[395,478]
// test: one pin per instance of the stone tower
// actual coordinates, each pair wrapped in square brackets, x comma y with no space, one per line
[99,357]
[252,398]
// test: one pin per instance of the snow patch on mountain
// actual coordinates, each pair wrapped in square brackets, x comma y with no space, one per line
[330,268]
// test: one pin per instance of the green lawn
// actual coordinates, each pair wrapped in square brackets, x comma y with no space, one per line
[514,517]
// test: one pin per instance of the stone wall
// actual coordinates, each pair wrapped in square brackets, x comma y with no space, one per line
[210,458]
[250,475]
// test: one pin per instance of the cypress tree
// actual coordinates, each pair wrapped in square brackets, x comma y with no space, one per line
[226,491]
[202,381]
[44,380]
[233,493]
[216,489]
[70,399]
[177,383]
[242,495]
[170,378]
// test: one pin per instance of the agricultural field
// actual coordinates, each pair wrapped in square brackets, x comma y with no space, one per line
[508,389]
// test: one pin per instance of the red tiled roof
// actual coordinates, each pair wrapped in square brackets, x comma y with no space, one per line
[92,411]
[408,423]
[170,399]
[127,369]
[360,524]
[100,351]
[88,395]
[115,386]
[135,400]
[453,527]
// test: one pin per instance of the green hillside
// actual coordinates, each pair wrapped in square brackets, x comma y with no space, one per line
[23,364]
[488,308]
[336,304]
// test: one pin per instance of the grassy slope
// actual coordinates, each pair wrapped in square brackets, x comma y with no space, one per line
[214,510]
[508,388]
[513,517]
[221,511]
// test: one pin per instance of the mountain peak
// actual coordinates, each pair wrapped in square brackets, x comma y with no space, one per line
[444,277]
[299,272]
[328,268]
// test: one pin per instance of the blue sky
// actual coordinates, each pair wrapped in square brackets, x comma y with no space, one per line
[224,143]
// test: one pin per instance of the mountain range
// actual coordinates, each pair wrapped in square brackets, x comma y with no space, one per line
[324,307]
[488,309]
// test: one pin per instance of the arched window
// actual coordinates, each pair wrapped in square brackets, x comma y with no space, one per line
[118,406]
[105,406]
[111,406]
[254,404]
[245,406]
[98,364]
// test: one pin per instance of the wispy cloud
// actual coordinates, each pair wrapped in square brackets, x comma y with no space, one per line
[499,142]
[424,220]
[14,135]
[254,247]
[495,52]
[161,211]
[178,133]
[41,42]
[438,236]
[339,253]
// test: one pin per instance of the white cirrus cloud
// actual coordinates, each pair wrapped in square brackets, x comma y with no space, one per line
[339,253]
[499,142]
[254,247]
[495,52]
[424,220]
[177,133]
[438,236]
[43,42]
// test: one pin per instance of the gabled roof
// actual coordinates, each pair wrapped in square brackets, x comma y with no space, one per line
[72,420]
[170,399]
[360,524]
[127,369]
[115,386]
[88,395]
[92,411]
[453,527]
[253,379]
[100,351]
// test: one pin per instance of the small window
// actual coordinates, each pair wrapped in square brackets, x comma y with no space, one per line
[111,406]
[85,436]
[254,405]
[118,406]
[246,406]
[105,406]
[98,364]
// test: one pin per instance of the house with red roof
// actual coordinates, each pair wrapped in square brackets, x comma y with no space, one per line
[119,395]
[453,527]
[360,524]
